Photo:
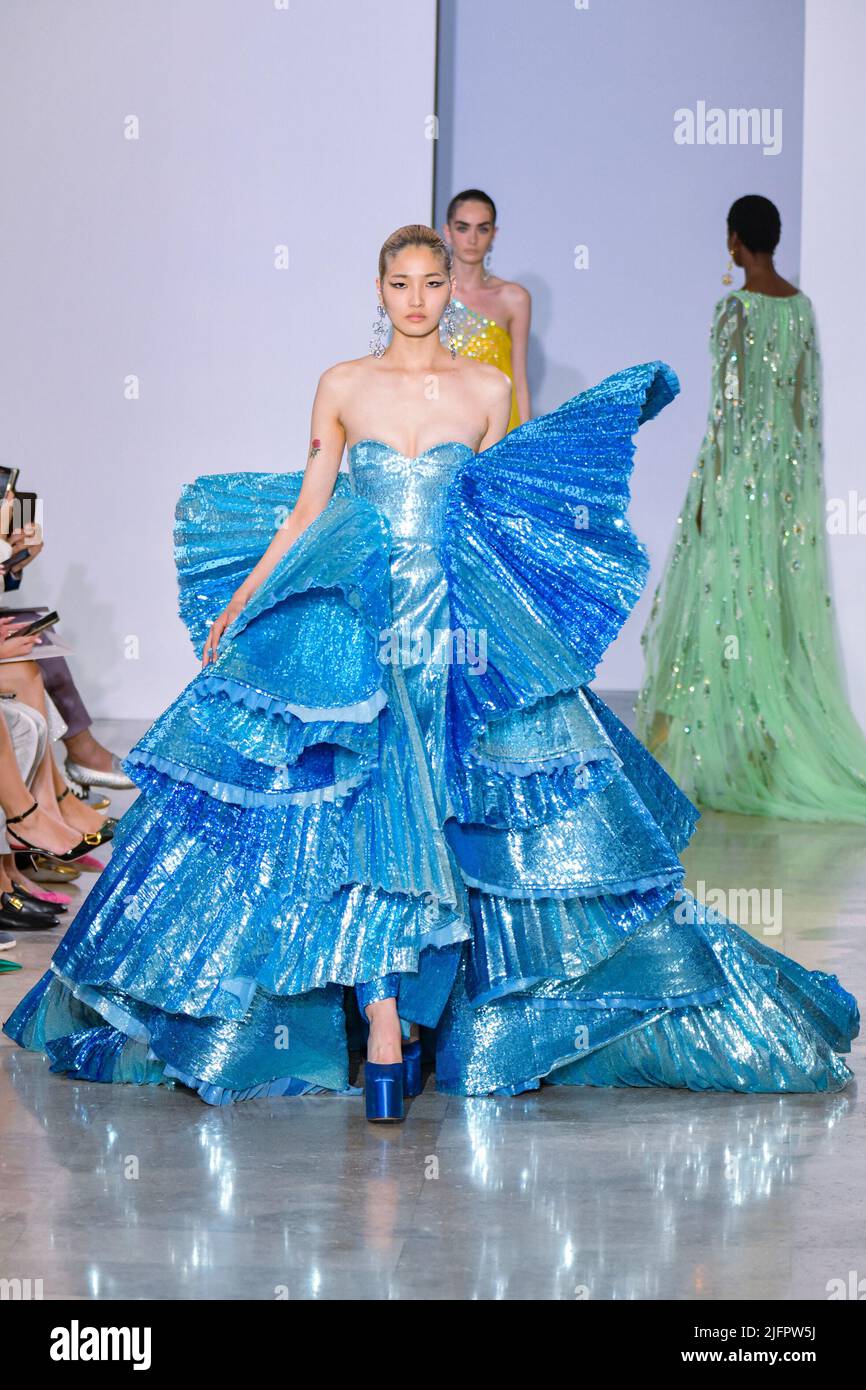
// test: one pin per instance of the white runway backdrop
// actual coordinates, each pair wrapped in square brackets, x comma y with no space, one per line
[195,194]
[608,133]
[834,214]
[194,198]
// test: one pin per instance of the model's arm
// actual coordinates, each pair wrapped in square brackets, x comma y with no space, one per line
[327,440]
[728,349]
[521,313]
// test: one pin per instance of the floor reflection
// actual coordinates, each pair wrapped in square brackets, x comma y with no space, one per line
[564,1193]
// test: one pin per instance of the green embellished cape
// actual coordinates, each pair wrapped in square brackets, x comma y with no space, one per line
[744,697]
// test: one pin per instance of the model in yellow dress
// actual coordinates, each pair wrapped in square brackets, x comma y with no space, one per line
[477,336]
[495,326]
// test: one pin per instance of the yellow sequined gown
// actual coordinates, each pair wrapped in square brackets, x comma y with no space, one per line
[486,340]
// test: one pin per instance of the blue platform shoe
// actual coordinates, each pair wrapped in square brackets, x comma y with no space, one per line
[412,1068]
[383,1091]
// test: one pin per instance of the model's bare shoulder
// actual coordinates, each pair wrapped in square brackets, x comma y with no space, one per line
[504,287]
[490,382]
[516,296]
[343,372]
[337,383]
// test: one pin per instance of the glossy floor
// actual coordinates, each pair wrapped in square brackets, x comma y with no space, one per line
[110,1192]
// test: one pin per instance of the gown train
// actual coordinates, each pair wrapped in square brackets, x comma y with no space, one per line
[396,766]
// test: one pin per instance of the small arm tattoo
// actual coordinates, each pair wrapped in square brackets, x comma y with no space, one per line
[315,448]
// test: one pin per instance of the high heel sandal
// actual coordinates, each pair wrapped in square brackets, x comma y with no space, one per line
[84,846]
[43,868]
[105,831]
[383,1095]
[386,1084]
[412,1068]
[383,1091]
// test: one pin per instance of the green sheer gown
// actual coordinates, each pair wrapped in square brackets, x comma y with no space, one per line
[744,697]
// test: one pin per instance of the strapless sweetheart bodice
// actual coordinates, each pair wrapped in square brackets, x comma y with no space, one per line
[410,492]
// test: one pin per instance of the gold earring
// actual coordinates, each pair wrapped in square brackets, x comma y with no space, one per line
[727,278]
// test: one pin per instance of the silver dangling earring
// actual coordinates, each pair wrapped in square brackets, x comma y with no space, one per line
[448,324]
[487,265]
[378,340]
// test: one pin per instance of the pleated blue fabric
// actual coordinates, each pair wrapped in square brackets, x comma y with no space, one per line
[395,779]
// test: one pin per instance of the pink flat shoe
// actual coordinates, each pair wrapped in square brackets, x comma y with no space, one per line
[46,896]
[90,863]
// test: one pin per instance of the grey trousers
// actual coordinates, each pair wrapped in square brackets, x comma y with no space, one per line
[57,679]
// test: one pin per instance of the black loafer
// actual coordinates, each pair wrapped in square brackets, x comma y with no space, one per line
[17,902]
[21,892]
[18,919]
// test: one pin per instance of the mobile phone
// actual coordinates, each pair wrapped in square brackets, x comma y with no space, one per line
[14,560]
[39,625]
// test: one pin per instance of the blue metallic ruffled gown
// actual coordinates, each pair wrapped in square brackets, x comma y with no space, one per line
[395,778]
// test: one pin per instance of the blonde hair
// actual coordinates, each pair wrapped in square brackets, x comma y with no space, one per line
[415,234]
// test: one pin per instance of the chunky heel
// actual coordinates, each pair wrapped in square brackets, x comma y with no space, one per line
[412,1068]
[383,1091]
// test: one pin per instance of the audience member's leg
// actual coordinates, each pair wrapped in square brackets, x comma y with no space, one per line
[25,678]
[86,753]
[40,827]
[28,731]
[58,681]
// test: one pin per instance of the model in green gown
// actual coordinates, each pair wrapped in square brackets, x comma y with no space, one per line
[744,698]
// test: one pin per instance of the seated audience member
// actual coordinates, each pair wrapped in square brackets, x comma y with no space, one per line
[88,763]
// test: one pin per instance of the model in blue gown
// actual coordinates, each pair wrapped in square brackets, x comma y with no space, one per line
[395,777]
